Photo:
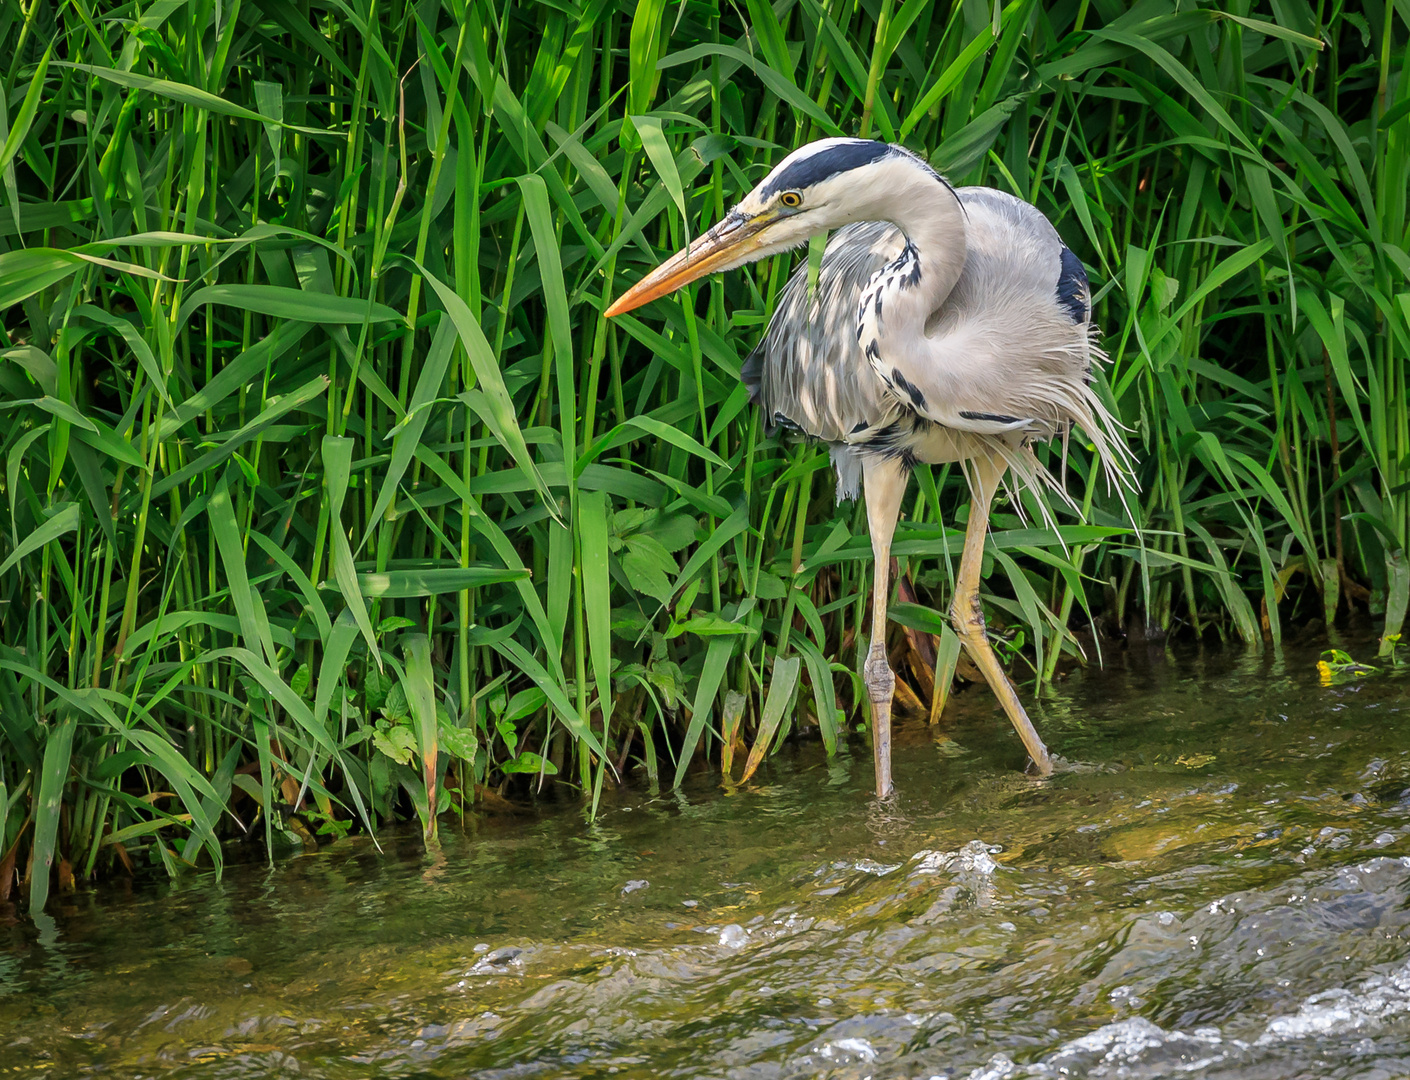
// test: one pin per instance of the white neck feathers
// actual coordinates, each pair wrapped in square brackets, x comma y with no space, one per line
[901,296]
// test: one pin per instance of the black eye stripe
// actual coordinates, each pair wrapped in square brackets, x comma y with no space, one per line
[829,161]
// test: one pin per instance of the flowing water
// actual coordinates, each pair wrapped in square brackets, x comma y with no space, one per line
[1216,885]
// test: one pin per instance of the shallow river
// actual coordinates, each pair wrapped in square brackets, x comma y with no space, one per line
[1217,885]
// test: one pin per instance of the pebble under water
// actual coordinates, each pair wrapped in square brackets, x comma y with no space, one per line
[1216,885]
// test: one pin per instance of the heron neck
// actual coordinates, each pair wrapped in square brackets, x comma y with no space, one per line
[903,294]
[934,226]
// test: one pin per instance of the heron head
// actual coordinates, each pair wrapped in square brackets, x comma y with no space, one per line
[823,185]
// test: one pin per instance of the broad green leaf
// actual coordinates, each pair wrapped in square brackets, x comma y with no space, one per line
[421,698]
[64,521]
[711,676]
[58,748]
[499,413]
[643,47]
[184,94]
[19,130]
[281,302]
[597,590]
[536,209]
[428,581]
[408,435]
[774,81]
[254,622]
[274,410]
[337,465]
[557,696]
[781,687]
[52,405]
[653,141]
[30,270]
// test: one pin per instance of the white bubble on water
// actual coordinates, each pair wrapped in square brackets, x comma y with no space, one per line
[999,1067]
[1125,996]
[734,936]
[869,866]
[1130,1042]
[844,1049]
[1124,1039]
[974,857]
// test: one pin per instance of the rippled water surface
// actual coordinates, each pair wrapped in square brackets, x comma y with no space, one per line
[1218,885]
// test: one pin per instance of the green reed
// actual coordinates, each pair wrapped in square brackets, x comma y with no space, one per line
[333,499]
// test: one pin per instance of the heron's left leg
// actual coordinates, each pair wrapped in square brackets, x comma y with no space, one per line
[968,617]
[884,481]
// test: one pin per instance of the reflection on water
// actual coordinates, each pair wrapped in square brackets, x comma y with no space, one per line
[1217,885]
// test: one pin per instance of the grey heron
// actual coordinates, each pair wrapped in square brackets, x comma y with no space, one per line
[946,325]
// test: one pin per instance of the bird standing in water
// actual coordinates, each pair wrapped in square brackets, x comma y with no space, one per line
[946,325]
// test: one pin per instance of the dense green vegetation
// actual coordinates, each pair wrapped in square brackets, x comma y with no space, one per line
[332,499]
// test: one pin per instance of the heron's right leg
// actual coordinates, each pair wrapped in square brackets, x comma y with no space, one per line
[968,617]
[884,481]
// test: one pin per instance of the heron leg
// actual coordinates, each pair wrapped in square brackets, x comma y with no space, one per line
[884,480]
[967,616]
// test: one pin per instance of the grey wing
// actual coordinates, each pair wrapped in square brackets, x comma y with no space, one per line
[1058,269]
[808,373]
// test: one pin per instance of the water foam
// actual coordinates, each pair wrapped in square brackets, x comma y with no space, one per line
[1137,1047]
[1339,1011]
[847,1049]
[1128,1048]
[974,857]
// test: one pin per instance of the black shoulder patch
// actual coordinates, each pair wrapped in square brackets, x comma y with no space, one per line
[815,168]
[1072,290]
[990,418]
[785,422]
[751,373]
[908,388]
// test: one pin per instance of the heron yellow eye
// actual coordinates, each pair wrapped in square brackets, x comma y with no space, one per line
[791,199]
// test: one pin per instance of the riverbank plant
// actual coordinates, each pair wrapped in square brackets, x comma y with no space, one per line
[330,498]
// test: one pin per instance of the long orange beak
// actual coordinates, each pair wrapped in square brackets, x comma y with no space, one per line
[730,243]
